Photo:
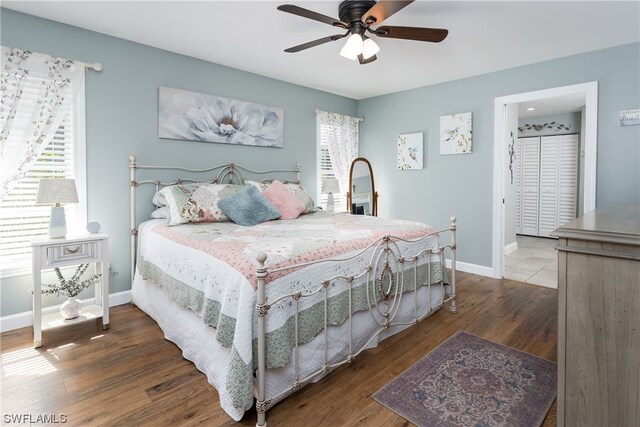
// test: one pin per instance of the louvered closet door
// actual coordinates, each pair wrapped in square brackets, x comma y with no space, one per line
[567,178]
[558,182]
[517,182]
[530,185]
[549,179]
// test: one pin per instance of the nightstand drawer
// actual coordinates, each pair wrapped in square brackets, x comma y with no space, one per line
[81,252]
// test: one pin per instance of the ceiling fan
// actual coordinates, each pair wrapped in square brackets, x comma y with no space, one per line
[357,17]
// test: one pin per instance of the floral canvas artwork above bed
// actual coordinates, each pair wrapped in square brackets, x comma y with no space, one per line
[410,151]
[201,117]
[455,134]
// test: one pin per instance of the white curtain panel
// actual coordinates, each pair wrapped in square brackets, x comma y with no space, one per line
[36,92]
[342,143]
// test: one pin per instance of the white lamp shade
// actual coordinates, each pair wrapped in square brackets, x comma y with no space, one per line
[56,190]
[353,47]
[369,48]
[330,185]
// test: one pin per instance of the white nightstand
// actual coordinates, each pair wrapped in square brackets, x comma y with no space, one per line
[73,250]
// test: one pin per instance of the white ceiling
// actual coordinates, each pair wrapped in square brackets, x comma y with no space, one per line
[251,36]
[550,106]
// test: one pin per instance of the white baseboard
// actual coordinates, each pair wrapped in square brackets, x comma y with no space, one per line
[21,320]
[511,247]
[472,268]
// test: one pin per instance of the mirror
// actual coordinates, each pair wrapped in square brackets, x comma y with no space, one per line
[362,197]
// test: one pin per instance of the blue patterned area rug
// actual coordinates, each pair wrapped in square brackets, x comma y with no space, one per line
[469,381]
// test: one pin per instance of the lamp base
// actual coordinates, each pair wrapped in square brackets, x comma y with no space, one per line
[330,203]
[57,223]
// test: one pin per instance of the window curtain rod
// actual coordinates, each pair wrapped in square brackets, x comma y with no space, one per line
[87,65]
[93,66]
[359,118]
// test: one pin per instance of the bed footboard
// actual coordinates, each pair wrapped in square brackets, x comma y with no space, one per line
[384,289]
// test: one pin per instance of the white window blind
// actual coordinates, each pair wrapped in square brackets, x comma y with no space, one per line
[326,171]
[20,218]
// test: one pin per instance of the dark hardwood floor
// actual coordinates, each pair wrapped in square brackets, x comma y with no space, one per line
[130,375]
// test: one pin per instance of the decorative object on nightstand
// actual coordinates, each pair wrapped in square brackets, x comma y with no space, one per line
[56,191]
[71,308]
[330,186]
[66,252]
[93,227]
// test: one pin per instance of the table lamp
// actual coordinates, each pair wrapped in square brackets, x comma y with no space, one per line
[330,186]
[56,191]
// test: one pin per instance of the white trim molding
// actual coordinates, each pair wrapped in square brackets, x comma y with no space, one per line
[590,92]
[480,270]
[510,248]
[22,320]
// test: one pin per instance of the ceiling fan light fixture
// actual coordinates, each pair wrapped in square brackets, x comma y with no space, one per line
[353,47]
[356,17]
[369,48]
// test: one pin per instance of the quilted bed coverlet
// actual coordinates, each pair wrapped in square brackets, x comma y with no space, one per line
[211,270]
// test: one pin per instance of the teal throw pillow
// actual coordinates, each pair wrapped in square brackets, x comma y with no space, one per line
[248,207]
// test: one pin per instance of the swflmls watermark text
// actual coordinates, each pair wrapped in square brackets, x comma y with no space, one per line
[31,419]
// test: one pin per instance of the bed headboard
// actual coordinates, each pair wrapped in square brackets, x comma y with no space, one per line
[223,173]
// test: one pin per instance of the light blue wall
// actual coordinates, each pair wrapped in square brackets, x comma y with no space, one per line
[121,119]
[462,185]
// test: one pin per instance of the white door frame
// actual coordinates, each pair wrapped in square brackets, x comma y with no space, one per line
[590,91]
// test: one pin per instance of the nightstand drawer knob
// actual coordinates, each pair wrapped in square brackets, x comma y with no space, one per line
[68,250]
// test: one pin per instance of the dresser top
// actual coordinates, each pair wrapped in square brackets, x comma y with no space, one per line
[616,224]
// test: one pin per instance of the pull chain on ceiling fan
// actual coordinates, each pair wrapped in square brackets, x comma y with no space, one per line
[357,17]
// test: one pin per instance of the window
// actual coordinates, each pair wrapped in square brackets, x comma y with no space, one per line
[342,132]
[326,172]
[20,218]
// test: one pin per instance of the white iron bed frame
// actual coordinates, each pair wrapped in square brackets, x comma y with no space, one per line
[385,251]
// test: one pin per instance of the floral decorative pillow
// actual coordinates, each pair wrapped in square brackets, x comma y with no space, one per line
[301,194]
[197,202]
[159,200]
[296,189]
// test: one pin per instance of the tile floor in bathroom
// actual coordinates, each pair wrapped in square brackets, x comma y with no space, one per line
[535,261]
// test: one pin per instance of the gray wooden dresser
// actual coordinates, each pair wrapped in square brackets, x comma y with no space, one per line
[599,319]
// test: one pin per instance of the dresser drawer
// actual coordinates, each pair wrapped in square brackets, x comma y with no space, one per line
[81,252]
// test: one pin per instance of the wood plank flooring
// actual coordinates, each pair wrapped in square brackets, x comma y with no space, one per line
[130,375]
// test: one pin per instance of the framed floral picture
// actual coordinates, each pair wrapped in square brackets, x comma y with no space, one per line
[410,151]
[455,134]
[193,116]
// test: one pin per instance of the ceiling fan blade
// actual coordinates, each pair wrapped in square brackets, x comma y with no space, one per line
[315,43]
[384,9]
[363,61]
[306,13]
[434,35]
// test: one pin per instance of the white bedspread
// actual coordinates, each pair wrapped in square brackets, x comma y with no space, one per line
[194,267]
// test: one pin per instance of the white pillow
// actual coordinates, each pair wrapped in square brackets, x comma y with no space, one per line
[159,200]
[160,213]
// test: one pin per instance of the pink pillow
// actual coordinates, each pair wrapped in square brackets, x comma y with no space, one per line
[278,194]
